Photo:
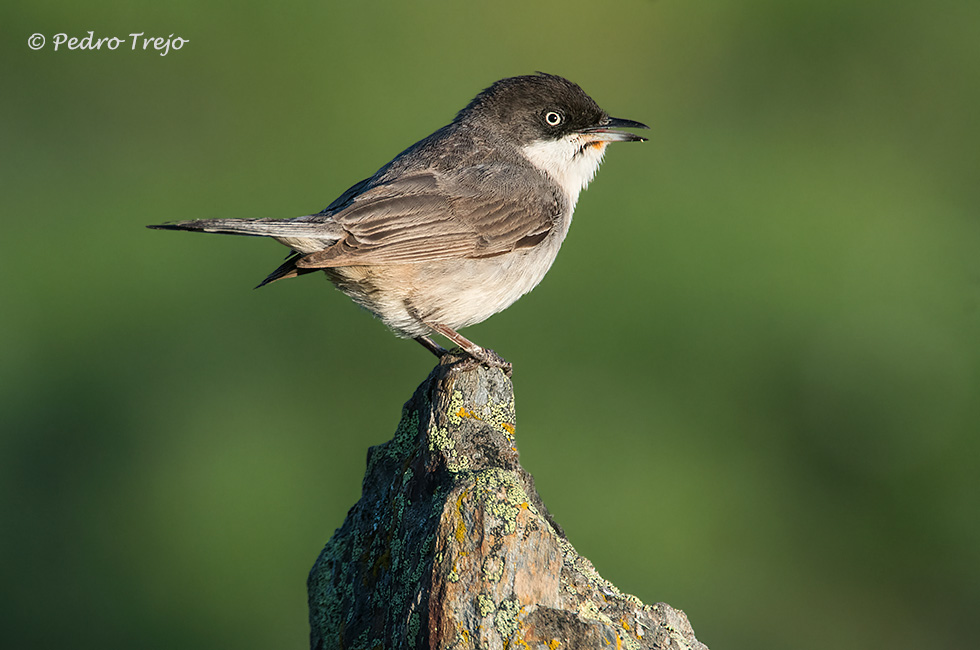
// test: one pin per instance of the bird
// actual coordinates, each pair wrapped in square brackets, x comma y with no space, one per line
[462,223]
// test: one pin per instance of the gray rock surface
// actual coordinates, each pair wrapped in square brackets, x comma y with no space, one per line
[450,545]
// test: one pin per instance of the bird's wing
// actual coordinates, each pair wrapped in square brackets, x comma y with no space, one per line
[479,211]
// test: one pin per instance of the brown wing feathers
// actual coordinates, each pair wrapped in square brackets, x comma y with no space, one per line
[426,225]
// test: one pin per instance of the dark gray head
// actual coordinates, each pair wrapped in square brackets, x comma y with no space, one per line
[541,107]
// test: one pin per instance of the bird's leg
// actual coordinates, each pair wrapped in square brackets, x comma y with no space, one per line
[431,346]
[477,353]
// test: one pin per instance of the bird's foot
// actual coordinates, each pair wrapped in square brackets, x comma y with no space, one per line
[483,357]
[473,355]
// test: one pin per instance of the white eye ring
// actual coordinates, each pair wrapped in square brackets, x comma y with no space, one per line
[553,118]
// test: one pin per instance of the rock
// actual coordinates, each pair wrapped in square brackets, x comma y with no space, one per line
[450,545]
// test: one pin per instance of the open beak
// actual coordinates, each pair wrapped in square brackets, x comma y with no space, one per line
[609,132]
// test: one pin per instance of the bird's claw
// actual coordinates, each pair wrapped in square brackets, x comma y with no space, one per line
[482,357]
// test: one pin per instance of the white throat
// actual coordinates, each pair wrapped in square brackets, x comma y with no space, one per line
[571,161]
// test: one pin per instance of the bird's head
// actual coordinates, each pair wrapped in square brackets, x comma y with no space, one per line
[556,125]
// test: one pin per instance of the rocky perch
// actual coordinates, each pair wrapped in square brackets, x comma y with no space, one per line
[450,545]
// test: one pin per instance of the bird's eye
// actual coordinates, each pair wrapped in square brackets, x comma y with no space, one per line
[553,118]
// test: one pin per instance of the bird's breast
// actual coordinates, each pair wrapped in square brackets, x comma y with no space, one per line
[455,293]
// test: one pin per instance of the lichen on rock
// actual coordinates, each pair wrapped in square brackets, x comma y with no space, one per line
[450,545]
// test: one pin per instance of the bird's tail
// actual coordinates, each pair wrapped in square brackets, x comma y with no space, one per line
[295,233]
[250,227]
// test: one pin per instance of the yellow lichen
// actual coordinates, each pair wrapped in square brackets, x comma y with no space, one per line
[463,413]
[505,619]
[485,605]
[460,522]
[502,496]
[493,568]
[439,439]
[461,465]
[455,406]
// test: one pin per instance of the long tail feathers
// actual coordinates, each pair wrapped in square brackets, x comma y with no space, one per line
[278,228]
[249,227]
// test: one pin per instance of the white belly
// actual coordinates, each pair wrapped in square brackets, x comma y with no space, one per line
[454,293]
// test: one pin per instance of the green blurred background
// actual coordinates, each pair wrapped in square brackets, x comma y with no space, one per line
[748,387]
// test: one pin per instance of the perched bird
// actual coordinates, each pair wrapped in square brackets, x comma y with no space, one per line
[462,223]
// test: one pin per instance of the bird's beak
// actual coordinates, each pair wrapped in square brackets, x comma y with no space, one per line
[609,132]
